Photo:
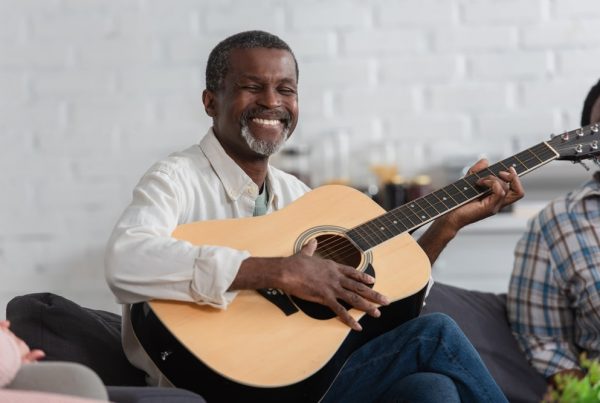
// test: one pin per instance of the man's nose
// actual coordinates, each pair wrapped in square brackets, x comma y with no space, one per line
[270,98]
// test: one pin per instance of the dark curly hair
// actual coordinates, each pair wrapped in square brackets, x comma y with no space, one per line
[588,104]
[218,60]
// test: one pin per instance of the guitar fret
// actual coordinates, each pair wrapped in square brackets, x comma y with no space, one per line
[467,189]
[431,211]
[371,235]
[400,220]
[357,234]
[443,199]
[432,203]
[390,225]
[383,228]
[375,230]
[411,215]
[535,155]
[515,164]
[459,196]
[418,211]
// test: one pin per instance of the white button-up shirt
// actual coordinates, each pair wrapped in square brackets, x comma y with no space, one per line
[144,262]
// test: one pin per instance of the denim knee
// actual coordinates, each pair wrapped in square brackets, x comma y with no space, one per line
[437,324]
[438,320]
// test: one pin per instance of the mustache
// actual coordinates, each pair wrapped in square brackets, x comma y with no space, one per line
[265,113]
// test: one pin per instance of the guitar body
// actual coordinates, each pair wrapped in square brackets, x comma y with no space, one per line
[253,350]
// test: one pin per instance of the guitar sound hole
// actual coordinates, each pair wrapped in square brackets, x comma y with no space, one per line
[338,249]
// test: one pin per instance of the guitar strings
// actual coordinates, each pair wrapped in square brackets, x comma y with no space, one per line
[338,246]
[333,246]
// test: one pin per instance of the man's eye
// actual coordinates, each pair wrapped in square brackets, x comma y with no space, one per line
[251,87]
[287,91]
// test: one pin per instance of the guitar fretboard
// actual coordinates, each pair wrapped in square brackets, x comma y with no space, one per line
[420,211]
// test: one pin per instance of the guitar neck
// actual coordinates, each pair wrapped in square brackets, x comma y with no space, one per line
[423,210]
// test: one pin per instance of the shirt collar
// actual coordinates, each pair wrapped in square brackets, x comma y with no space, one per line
[589,189]
[235,181]
[274,188]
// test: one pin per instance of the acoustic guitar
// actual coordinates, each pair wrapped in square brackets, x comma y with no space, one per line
[271,347]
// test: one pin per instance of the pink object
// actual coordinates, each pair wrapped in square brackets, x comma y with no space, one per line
[10,358]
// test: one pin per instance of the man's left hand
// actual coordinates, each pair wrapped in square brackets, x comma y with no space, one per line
[505,189]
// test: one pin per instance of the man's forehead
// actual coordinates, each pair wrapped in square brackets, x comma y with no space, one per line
[252,62]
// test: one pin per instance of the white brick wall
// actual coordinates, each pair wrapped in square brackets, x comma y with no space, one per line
[93,91]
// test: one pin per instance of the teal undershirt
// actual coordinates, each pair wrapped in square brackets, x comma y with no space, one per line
[260,205]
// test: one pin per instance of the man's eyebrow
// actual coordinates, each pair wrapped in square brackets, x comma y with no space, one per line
[260,79]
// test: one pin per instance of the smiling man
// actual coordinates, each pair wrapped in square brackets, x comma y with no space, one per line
[252,97]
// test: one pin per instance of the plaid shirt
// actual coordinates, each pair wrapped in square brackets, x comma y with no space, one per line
[554,299]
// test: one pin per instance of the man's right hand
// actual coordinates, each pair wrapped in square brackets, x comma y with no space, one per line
[314,279]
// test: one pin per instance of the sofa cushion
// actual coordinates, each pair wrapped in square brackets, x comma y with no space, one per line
[482,317]
[66,331]
[149,394]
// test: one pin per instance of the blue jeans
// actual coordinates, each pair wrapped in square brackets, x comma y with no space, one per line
[427,359]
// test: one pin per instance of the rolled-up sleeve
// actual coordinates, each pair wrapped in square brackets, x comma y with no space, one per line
[143,261]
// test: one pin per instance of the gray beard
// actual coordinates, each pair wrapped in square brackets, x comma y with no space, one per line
[263,147]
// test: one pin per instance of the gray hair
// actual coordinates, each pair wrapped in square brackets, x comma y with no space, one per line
[218,60]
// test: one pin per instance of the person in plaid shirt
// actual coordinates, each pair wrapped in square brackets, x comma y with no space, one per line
[554,294]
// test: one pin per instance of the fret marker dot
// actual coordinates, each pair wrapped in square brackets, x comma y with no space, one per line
[465,188]
[382,228]
[444,198]
[514,165]
[423,216]
[412,205]
[395,222]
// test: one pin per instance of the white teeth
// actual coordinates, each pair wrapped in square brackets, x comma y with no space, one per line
[269,122]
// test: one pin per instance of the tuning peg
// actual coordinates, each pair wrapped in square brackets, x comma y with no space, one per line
[583,164]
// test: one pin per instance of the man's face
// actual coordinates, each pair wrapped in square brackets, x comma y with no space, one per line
[256,108]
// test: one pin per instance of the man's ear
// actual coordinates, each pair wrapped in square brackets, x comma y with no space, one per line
[209,100]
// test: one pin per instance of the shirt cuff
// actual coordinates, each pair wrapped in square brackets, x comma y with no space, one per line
[215,268]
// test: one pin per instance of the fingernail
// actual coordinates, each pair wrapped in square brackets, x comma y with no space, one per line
[385,301]
[376,313]
[358,327]
[370,279]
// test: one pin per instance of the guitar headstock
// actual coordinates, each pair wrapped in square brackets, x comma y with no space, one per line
[578,144]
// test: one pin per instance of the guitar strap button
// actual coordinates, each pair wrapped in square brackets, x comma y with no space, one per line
[165,354]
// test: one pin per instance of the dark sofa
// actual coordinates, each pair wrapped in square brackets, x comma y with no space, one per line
[69,332]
